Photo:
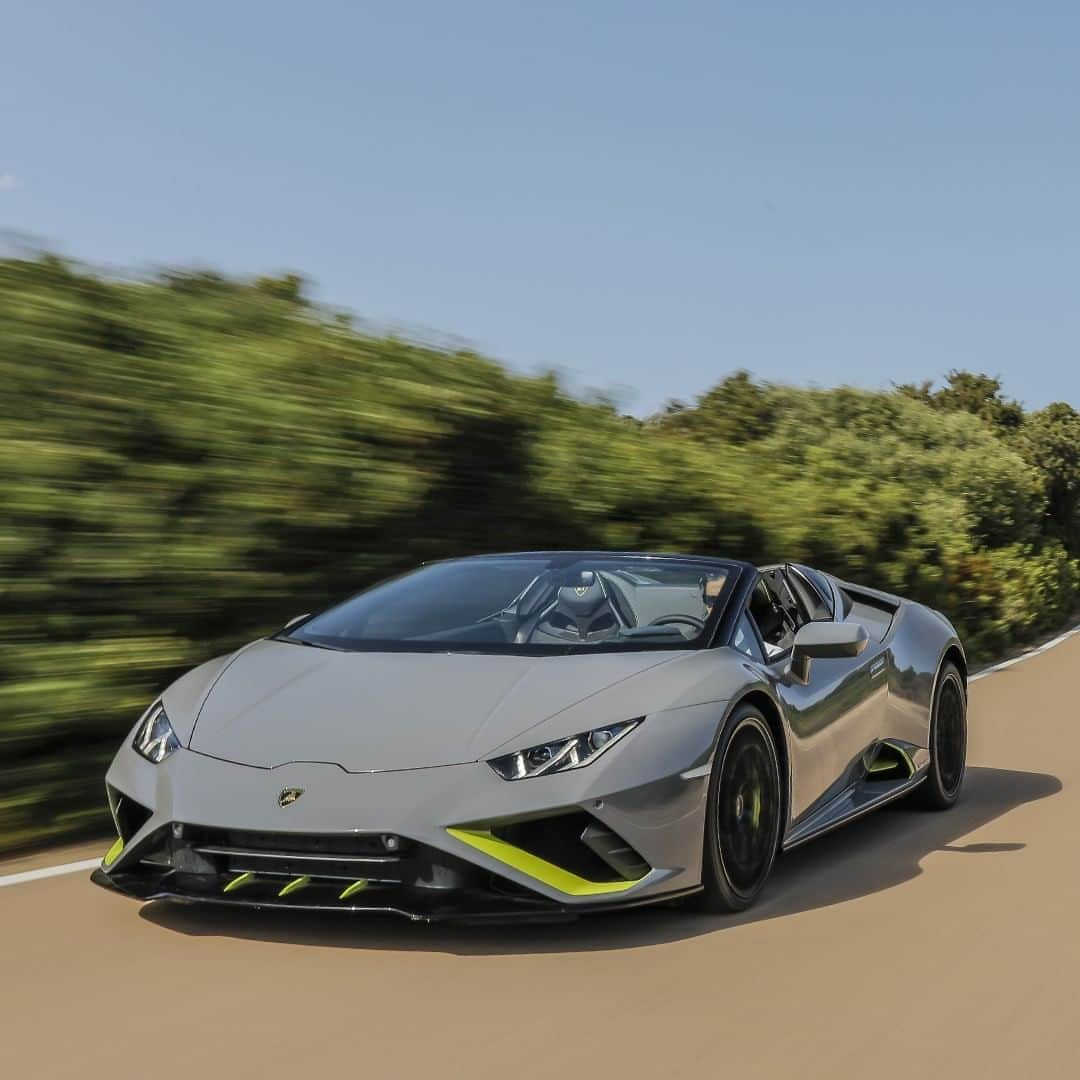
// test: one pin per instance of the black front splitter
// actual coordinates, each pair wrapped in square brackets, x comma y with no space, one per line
[461,906]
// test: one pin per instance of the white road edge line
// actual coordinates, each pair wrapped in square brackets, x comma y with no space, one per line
[1045,647]
[49,871]
[90,864]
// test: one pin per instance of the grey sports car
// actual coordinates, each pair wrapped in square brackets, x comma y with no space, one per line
[537,735]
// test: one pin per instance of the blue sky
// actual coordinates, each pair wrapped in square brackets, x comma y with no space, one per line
[643,195]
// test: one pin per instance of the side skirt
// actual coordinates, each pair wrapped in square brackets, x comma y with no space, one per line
[854,801]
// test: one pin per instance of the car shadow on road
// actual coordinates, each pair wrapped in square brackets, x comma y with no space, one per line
[877,852]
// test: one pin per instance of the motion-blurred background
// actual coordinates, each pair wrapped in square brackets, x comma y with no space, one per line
[644,198]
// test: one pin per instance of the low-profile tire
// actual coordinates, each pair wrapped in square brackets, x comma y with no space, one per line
[743,816]
[948,743]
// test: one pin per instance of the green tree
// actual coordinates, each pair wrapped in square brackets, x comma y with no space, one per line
[736,411]
[966,391]
[1050,440]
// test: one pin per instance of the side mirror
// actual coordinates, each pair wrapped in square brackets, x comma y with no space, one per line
[825,641]
[295,620]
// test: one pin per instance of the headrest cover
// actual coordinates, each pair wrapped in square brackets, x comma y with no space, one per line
[583,599]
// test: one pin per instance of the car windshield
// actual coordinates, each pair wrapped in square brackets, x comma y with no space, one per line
[531,604]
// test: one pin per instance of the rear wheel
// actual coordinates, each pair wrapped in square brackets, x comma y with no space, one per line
[742,821]
[948,742]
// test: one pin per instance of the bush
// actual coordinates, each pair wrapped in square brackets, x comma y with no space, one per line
[186,462]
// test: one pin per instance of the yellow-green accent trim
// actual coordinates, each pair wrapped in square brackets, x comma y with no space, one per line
[353,889]
[904,755]
[113,853]
[880,764]
[295,885]
[239,882]
[551,875]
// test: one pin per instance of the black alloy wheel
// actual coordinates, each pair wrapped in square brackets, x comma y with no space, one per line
[948,742]
[743,820]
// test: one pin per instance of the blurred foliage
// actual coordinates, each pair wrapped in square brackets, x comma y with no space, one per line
[187,462]
[966,391]
[1050,440]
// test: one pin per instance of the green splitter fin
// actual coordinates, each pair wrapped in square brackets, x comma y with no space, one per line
[239,882]
[353,889]
[295,886]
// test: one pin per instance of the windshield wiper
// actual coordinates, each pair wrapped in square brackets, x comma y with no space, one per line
[309,644]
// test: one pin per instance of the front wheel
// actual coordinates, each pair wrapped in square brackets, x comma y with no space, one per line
[948,743]
[742,820]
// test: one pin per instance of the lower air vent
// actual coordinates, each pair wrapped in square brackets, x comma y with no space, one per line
[888,761]
[128,815]
[344,856]
[313,844]
[577,842]
[615,851]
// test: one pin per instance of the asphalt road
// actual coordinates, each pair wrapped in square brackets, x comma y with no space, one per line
[910,943]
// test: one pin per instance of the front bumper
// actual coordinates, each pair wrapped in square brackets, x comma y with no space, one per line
[471,844]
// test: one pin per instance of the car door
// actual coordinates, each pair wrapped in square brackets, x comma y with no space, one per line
[838,712]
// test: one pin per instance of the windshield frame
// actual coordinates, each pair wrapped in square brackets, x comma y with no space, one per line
[708,637]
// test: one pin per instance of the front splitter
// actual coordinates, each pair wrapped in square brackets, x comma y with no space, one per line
[415,905]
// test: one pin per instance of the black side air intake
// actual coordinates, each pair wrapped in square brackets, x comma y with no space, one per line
[128,815]
[577,842]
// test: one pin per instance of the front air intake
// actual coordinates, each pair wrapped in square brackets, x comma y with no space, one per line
[615,851]
[577,842]
[129,816]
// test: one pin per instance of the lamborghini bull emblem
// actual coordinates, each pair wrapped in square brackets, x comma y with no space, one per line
[289,795]
[580,590]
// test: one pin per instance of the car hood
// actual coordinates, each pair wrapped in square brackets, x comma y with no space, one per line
[373,712]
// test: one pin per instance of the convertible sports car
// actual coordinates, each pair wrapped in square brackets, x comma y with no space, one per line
[538,735]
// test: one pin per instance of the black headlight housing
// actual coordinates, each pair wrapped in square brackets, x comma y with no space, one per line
[562,755]
[154,738]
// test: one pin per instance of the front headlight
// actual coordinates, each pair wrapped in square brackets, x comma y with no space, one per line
[154,738]
[563,754]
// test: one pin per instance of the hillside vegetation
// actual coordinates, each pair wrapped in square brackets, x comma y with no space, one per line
[186,462]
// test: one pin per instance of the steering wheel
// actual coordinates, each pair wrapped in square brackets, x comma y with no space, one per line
[671,620]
